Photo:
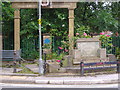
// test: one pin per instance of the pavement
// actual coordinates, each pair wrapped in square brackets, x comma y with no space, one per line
[78,80]
[8,70]
[17,78]
[33,67]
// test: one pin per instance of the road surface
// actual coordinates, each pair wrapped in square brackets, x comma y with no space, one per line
[8,85]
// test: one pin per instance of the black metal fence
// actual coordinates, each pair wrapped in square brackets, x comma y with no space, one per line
[112,45]
[115,43]
[99,65]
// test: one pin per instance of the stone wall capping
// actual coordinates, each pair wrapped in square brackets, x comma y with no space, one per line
[88,39]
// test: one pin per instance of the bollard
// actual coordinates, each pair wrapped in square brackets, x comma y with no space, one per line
[44,63]
[61,63]
[118,66]
[14,67]
[82,68]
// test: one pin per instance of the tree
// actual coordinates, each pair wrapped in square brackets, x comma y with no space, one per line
[7,25]
[98,17]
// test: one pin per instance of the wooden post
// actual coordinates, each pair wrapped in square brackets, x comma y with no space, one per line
[71,30]
[17,29]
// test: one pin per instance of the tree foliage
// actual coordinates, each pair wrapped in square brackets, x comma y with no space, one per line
[7,25]
[99,17]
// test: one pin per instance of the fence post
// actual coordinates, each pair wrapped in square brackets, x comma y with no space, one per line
[44,63]
[14,62]
[82,68]
[59,51]
[118,66]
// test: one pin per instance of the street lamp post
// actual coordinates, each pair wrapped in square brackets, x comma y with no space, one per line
[41,69]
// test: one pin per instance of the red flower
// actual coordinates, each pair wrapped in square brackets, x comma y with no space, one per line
[84,34]
[108,35]
[77,33]
[60,47]
[102,33]
[99,63]
[66,50]
[82,64]
[57,60]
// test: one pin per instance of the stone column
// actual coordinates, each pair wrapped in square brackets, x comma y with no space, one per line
[17,29]
[71,30]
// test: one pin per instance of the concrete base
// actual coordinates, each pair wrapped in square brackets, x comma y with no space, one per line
[111,57]
[53,67]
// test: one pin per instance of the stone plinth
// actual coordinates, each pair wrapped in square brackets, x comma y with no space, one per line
[102,53]
[88,50]
[53,67]
[47,51]
[88,46]
[77,55]
[111,57]
[68,60]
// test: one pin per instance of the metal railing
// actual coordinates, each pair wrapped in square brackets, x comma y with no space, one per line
[83,68]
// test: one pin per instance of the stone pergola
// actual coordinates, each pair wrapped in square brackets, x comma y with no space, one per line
[29,5]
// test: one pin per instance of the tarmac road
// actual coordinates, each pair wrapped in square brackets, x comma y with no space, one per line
[6,85]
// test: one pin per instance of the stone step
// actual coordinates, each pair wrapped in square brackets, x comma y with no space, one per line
[88,60]
[90,57]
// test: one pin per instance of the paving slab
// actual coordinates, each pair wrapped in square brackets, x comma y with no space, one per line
[16,79]
[58,82]
[9,70]
[33,67]
[42,81]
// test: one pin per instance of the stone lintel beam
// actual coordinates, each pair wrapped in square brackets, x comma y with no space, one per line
[23,5]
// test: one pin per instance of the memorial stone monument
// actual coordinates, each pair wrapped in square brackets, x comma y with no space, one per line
[88,50]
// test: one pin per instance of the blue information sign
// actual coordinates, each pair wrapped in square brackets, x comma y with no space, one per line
[47,41]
